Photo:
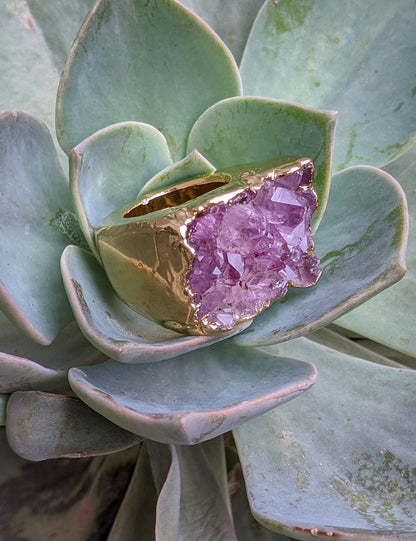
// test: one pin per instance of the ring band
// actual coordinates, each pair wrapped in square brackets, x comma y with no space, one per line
[216,250]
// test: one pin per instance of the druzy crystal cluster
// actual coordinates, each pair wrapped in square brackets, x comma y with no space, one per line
[248,251]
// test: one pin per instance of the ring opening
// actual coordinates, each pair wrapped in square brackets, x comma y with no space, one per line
[175,197]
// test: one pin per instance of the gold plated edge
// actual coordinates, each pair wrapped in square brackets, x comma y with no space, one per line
[250,179]
[213,185]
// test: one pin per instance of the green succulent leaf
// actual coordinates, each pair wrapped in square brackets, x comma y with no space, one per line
[214,451]
[62,499]
[191,504]
[25,365]
[390,318]
[137,514]
[246,130]
[43,425]
[23,46]
[231,20]
[152,400]
[328,337]
[166,473]
[35,38]
[347,471]
[111,325]
[193,165]
[58,23]
[108,168]
[3,406]
[132,61]
[247,529]
[360,243]
[353,58]
[34,207]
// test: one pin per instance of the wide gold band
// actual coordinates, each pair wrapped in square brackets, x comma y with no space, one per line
[144,245]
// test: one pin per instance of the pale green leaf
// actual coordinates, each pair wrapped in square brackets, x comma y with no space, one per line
[215,452]
[136,516]
[390,318]
[232,20]
[191,504]
[35,38]
[246,527]
[35,221]
[59,22]
[171,402]
[338,461]
[193,165]
[108,168]
[140,60]
[354,57]
[246,130]
[329,337]
[25,365]
[3,406]
[44,425]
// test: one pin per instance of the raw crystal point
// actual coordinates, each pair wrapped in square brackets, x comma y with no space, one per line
[249,250]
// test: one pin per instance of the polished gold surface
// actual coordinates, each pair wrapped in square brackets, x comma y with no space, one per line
[144,247]
[177,196]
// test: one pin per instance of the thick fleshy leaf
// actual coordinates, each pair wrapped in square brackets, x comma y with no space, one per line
[338,461]
[25,365]
[353,58]
[246,527]
[169,493]
[110,166]
[392,356]
[28,72]
[398,359]
[59,23]
[191,504]
[194,164]
[43,425]
[148,61]
[360,242]
[34,211]
[65,499]
[214,451]
[171,402]
[246,130]
[355,348]
[232,20]
[35,38]
[3,405]
[111,325]
[390,318]
[136,516]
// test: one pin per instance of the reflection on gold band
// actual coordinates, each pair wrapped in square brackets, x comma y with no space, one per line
[177,196]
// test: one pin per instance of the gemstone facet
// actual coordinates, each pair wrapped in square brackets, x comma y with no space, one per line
[248,250]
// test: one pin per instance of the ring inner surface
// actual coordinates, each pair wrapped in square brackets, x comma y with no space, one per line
[176,196]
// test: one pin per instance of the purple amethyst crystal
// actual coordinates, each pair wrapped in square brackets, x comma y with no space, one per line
[249,250]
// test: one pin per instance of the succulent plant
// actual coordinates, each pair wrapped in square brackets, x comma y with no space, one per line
[117,428]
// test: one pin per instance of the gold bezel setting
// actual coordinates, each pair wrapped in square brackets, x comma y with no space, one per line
[146,250]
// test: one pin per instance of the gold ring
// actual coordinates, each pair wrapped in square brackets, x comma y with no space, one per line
[205,254]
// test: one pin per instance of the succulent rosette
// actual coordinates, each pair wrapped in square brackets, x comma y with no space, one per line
[151,96]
